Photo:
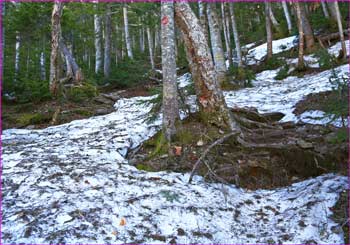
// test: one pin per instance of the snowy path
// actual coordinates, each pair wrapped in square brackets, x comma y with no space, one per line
[70,183]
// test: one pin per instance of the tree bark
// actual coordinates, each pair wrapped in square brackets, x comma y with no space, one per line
[273,19]
[301,64]
[17,55]
[226,34]
[268,29]
[308,32]
[324,9]
[126,32]
[287,15]
[98,42]
[211,102]
[203,18]
[150,47]
[55,38]
[340,27]
[170,102]
[77,73]
[108,36]
[216,43]
[236,36]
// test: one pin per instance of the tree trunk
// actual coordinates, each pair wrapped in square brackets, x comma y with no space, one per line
[117,49]
[150,47]
[324,9]
[340,27]
[17,52]
[268,29]
[216,43]
[55,38]
[236,36]
[226,35]
[42,66]
[211,102]
[170,102]
[126,32]
[332,10]
[273,19]
[77,73]
[287,15]
[98,43]
[108,36]
[308,32]
[203,18]
[301,64]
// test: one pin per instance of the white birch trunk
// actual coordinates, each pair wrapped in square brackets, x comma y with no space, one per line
[108,36]
[211,102]
[287,15]
[324,9]
[150,47]
[235,35]
[127,34]
[17,55]
[98,43]
[216,43]
[340,28]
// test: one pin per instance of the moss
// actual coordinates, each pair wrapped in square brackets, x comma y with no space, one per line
[82,92]
[340,137]
[33,118]
[83,112]
[160,145]
[185,136]
[144,167]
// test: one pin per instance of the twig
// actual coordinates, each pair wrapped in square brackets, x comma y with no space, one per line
[219,141]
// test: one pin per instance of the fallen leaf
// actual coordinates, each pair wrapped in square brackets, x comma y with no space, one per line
[122,222]
[114,233]
[178,150]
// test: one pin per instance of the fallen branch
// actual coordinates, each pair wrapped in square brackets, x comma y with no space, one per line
[219,141]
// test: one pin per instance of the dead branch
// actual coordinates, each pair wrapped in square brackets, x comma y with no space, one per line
[219,141]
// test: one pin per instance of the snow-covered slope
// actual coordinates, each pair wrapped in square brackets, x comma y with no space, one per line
[71,184]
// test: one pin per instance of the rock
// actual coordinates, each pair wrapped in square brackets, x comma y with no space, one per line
[112,96]
[200,143]
[103,111]
[103,100]
[30,127]
[304,145]
[273,116]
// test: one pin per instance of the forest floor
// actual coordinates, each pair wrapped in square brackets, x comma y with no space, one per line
[72,183]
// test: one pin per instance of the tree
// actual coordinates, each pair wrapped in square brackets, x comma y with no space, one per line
[126,32]
[287,15]
[307,29]
[98,42]
[150,47]
[211,102]
[170,102]
[203,18]
[340,27]
[324,9]
[268,29]
[236,36]
[108,36]
[216,43]
[301,64]
[55,38]
[226,34]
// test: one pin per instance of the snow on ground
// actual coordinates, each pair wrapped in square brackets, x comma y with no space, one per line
[270,95]
[312,60]
[258,53]
[71,184]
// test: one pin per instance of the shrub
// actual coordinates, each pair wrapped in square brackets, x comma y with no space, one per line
[244,75]
[325,60]
[81,92]
[282,73]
